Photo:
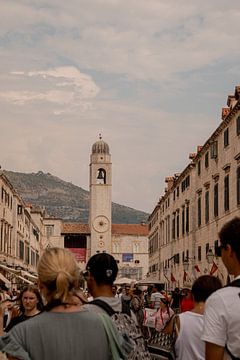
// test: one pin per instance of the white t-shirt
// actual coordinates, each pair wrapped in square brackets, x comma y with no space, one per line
[188,345]
[222,319]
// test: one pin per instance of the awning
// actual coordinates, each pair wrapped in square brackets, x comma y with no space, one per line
[11,270]
[28,275]
[5,280]
[25,280]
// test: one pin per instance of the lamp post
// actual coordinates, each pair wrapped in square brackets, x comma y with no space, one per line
[210,256]
[165,272]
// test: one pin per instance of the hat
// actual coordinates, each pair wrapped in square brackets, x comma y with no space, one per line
[103,267]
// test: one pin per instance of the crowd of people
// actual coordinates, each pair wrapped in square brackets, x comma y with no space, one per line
[59,320]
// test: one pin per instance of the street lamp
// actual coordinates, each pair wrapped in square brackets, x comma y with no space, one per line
[185,265]
[165,271]
[210,256]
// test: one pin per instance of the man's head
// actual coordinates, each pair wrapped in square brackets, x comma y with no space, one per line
[204,286]
[101,270]
[229,237]
[114,290]
[127,289]
[230,234]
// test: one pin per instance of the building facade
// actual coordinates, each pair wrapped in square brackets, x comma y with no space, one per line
[184,225]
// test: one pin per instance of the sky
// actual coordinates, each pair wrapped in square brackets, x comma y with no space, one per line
[150,75]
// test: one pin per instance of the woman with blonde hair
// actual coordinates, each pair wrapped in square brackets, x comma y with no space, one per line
[65,330]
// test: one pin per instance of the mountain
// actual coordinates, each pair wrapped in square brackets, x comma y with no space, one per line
[64,200]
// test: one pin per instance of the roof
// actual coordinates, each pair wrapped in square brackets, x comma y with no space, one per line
[121,229]
[130,229]
[75,228]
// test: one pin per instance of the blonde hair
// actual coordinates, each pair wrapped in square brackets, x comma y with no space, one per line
[59,272]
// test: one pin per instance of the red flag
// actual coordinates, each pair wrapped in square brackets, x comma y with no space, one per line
[173,278]
[214,268]
[184,276]
[197,268]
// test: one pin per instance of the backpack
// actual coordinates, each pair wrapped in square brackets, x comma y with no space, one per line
[128,329]
[235,283]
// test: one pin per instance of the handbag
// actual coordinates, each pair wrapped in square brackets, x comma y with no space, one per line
[161,344]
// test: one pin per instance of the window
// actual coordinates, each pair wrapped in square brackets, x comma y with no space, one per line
[207,248]
[178,191]
[207,160]
[216,247]
[199,167]
[178,225]
[49,230]
[21,249]
[238,185]
[207,207]
[187,219]
[199,253]
[226,137]
[238,125]
[183,256]
[226,193]
[19,209]
[214,150]
[183,220]
[173,227]
[216,200]
[199,211]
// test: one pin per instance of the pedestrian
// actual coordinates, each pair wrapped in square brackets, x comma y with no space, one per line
[188,345]
[156,296]
[222,311]
[101,272]
[64,330]
[136,305]
[175,302]
[30,305]
[164,313]
[126,300]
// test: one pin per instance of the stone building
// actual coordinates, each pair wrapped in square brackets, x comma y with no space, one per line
[184,225]
[19,238]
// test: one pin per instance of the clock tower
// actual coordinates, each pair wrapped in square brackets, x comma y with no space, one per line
[100,216]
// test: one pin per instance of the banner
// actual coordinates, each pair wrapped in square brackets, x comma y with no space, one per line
[197,268]
[214,268]
[79,253]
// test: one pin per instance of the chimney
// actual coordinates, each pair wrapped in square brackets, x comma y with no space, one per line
[192,156]
[231,101]
[237,92]
[225,112]
[169,180]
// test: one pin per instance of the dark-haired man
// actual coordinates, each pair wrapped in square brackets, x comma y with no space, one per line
[101,272]
[222,311]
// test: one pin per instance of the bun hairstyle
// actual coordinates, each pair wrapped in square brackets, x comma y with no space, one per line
[59,272]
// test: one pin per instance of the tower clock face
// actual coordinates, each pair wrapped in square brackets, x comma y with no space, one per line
[101,224]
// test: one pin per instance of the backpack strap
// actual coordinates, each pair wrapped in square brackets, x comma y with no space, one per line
[235,283]
[105,306]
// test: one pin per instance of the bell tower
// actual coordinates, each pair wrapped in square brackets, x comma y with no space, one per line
[100,216]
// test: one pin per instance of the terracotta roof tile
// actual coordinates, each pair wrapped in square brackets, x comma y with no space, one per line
[130,229]
[75,228]
[121,229]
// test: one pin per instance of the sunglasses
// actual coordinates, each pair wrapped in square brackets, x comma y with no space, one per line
[85,274]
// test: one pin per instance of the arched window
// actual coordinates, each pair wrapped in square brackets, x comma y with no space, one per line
[101,176]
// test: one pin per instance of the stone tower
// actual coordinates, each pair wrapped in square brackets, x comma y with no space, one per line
[100,216]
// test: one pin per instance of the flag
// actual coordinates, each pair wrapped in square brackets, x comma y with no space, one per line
[184,276]
[214,268]
[173,278]
[166,277]
[197,268]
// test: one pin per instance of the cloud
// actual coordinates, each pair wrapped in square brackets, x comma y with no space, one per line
[71,89]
